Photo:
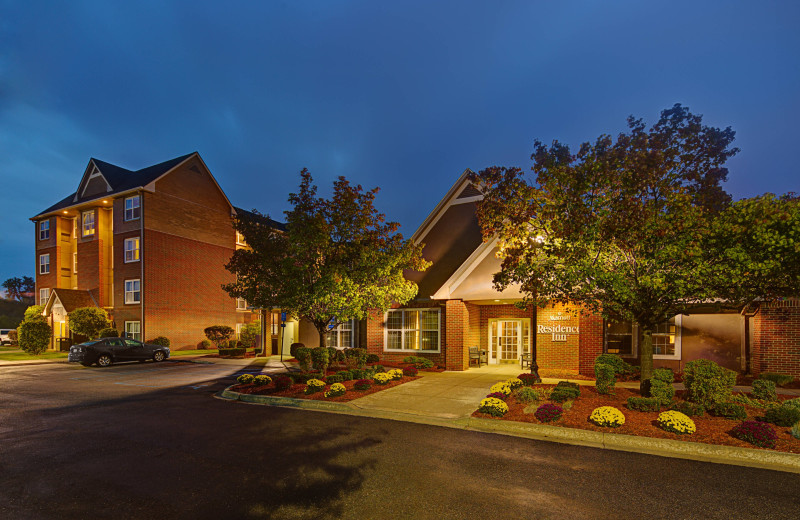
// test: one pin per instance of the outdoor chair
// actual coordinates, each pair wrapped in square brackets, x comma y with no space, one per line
[525,360]
[477,355]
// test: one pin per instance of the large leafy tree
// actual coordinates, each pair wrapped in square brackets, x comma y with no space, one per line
[88,321]
[337,260]
[636,227]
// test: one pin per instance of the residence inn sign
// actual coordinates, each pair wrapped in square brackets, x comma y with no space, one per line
[558,332]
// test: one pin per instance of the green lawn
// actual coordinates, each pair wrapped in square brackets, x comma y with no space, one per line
[18,355]
[195,352]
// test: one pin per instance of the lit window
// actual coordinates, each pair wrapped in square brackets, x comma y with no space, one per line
[664,339]
[275,323]
[623,338]
[44,230]
[619,338]
[87,218]
[133,330]
[132,210]
[412,329]
[44,294]
[342,336]
[132,293]
[241,304]
[74,262]
[239,331]
[131,249]
[44,263]
[240,239]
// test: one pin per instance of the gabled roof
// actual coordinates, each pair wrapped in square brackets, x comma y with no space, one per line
[118,179]
[70,299]
[272,223]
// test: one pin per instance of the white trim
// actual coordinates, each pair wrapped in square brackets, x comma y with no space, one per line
[83,223]
[43,264]
[441,208]
[465,269]
[47,299]
[241,304]
[125,329]
[133,208]
[75,263]
[521,347]
[467,200]
[677,354]
[95,173]
[125,250]
[403,330]
[47,231]
[132,292]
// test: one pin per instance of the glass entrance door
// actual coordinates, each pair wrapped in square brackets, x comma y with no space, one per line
[507,341]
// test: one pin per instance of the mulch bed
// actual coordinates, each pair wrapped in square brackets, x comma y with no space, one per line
[297,391]
[710,430]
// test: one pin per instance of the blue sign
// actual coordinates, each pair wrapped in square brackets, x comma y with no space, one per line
[283,316]
[331,323]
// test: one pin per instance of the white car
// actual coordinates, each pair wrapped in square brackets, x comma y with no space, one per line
[4,339]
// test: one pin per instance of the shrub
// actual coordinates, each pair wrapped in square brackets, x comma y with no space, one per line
[729,411]
[747,400]
[605,378]
[619,365]
[88,321]
[249,333]
[527,379]
[757,433]
[569,384]
[527,394]
[160,340]
[283,382]
[501,387]
[233,352]
[778,379]
[357,373]
[418,362]
[764,389]
[564,391]
[664,374]
[795,402]
[396,374]
[607,417]
[410,371]
[336,390]
[108,333]
[262,380]
[313,386]
[346,375]
[514,383]
[355,357]
[493,406]
[34,312]
[644,404]
[782,415]
[498,395]
[304,377]
[373,358]
[687,408]
[362,384]
[548,412]
[707,383]
[293,349]
[204,345]
[676,422]
[34,336]
[381,378]
[662,391]
[333,379]
[12,336]
[245,379]
[303,356]
[217,334]
[377,368]
[795,431]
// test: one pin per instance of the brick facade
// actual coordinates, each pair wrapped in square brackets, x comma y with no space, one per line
[776,338]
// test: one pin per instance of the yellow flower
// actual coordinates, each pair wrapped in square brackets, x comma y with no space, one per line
[607,416]
[676,422]
[514,383]
[501,387]
[493,406]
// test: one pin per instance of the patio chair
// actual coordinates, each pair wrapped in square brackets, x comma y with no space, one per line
[477,355]
[525,360]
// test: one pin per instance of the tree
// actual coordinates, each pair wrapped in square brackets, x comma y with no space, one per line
[218,333]
[88,321]
[249,333]
[34,312]
[622,227]
[34,336]
[13,287]
[337,260]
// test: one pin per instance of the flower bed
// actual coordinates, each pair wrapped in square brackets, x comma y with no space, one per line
[298,391]
[709,429]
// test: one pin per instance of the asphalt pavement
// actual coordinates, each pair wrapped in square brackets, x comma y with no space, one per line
[151,441]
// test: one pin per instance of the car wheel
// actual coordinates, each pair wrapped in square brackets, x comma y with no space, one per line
[104,360]
[158,356]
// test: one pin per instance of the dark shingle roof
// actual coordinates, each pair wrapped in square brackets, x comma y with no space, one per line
[273,223]
[73,299]
[121,179]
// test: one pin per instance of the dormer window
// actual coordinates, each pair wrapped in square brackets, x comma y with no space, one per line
[44,230]
[87,219]
[132,208]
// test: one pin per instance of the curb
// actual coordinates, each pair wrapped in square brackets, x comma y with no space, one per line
[29,362]
[749,457]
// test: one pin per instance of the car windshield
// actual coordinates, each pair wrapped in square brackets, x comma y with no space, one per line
[89,343]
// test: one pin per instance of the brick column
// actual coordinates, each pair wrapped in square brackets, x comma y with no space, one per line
[776,338]
[455,335]
[591,342]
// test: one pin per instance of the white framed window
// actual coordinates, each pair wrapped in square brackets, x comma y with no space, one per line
[133,330]
[241,304]
[44,263]
[667,339]
[239,330]
[413,330]
[132,291]
[132,208]
[87,220]
[343,335]
[44,295]
[74,262]
[131,249]
[275,323]
[240,239]
[622,338]
[44,230]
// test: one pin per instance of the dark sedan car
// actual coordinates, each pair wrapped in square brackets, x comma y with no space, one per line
[106,351]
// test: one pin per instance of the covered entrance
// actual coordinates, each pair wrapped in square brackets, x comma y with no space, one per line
[508,339]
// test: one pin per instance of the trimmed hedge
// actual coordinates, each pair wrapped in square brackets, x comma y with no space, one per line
[644,404]
[108,333]
[605,378]
[729,411]
[778,379]
[232,351]
[687,408]
[160,340]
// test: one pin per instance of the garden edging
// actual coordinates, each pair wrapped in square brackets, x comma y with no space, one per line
[764,459]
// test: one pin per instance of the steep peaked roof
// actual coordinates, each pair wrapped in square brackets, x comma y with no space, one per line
[70,299]
[272,223]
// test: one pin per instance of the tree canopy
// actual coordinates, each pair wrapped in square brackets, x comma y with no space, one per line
[19,288]
[88,321]
[637,227]
[337,260]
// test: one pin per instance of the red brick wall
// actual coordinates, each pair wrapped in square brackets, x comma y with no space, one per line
[488,312]
[375,339]
[591,342]
[558,355]
[456,334]
[776,338]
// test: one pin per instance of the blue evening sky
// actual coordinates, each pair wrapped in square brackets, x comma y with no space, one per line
[402,95]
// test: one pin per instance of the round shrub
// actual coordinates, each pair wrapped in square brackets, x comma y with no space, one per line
[160,340]
[293,349]
[373,358]
[493,406]
[336,390]
[607,417]
[759,434]
[565,391]
[321,358]
[548,412]
[381,378]
[690,409]
[664,374]
[108,333]
[245,379]
[782,415]
[357,373]
[346,375]
[262,380]
[707,383]
[605,378]
[378,368]
[612,360]
[88,321]
[303,356]
[283,382]
[527,379]
[419,362]
[676,422]
[362,384]
[396,374]
[794,402]
[410,371]
[501,387]
[497,395]
[204,345]
[764,389]
[729,411]
[34,336]
[527,394]
[333,379]
[662,391]
[314,385]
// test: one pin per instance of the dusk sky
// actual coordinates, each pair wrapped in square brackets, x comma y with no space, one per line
[400,95]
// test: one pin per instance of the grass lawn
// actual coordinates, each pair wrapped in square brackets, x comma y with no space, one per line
[18,355]
[194,352]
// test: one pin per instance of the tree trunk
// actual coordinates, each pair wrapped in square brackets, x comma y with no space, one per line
[646,359]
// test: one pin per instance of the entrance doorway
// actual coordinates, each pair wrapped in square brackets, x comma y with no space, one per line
[508,338]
